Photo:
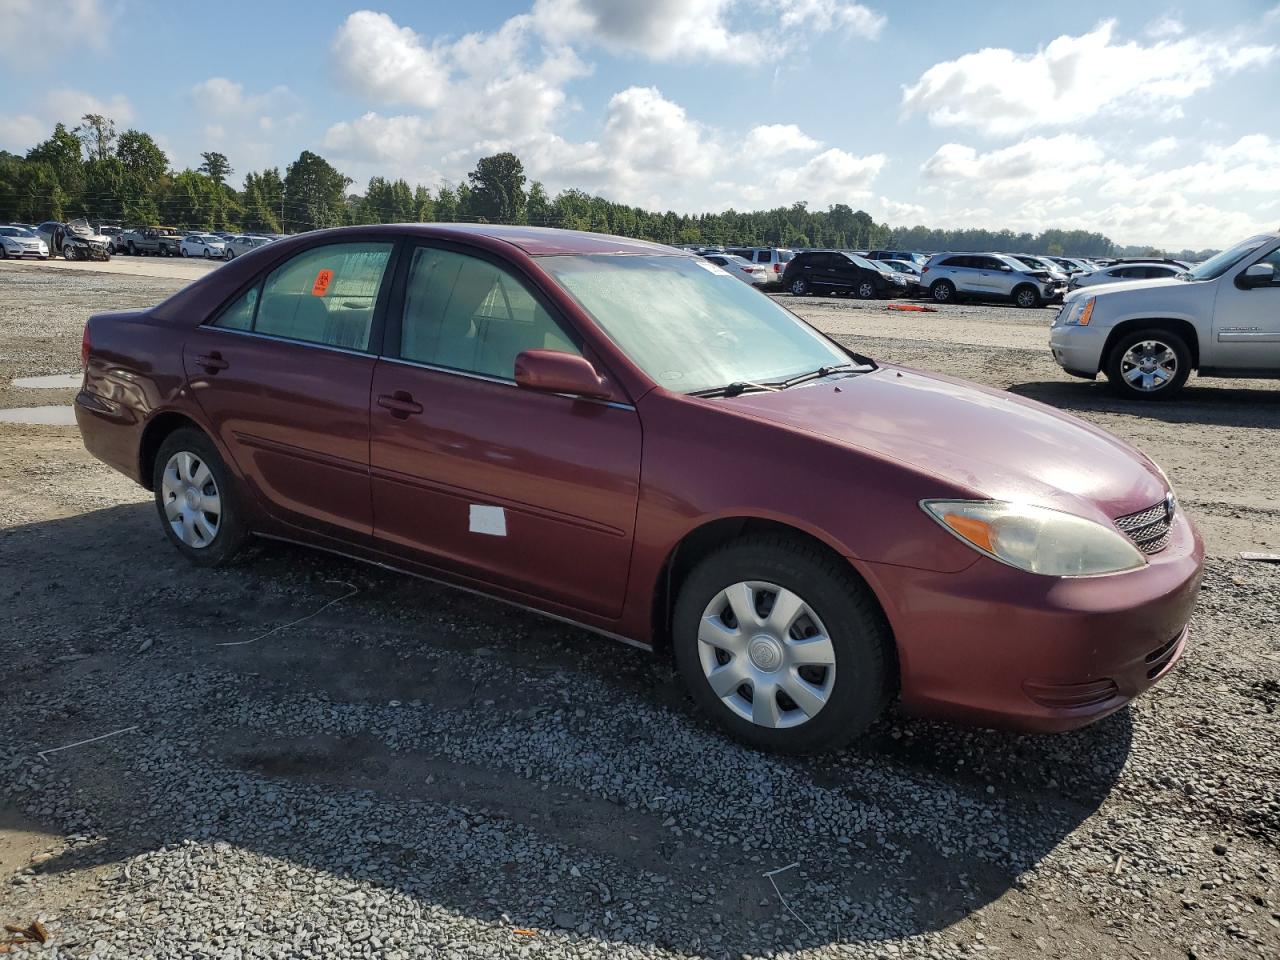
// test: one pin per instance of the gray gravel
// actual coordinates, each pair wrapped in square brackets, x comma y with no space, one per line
[420,773]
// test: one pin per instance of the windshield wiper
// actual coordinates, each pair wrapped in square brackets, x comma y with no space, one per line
[734,389]
[816,374]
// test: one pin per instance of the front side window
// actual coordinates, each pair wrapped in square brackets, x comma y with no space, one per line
[687,326]
[471,315]
[325,295]
[1217,265]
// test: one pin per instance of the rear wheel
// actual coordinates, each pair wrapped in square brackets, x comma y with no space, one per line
[132,250]
[866,290]
[1026,296]
[1148,365]
[229,254]
[782,646]
[943,291]
[195,499]
[799,287]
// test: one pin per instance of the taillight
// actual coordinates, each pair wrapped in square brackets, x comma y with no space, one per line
[924,270]
[84,348]
[777,268]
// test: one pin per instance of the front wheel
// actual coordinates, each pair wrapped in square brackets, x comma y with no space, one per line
[799,287]
[183,250]
[1026,297]
[228,255]
[782,645]
[866,290]
[944,291]
[195,499]
[1148,365]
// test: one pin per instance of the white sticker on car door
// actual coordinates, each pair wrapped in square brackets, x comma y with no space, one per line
[491,521]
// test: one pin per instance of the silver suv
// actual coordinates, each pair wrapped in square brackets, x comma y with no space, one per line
[1221,318]
[774,259]
[988,276]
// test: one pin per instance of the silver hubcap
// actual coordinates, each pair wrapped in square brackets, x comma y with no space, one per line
[1026,298]
[1149,365]
[798,287]
[866,290]
[942,292]
[766,654]
[192,505]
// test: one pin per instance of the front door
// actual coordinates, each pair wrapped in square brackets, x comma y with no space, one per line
[283,373]
[530,491]
[1246,322]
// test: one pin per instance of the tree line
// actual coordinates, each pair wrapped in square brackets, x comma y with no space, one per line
[93,171]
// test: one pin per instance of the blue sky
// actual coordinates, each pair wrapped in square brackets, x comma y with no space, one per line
[1154,123]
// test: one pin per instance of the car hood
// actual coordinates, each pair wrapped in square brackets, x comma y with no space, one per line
[988,443]
[1124,286]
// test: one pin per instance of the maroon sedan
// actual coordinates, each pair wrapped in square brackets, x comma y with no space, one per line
[622,435]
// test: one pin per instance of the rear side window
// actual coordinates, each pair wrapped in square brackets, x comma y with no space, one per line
[325,295]
[468,314]
[764,256]
[955,262]
[239,316]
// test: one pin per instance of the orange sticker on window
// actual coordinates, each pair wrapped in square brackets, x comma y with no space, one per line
[321,285]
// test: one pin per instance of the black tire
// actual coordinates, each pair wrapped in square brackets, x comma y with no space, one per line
[132,250]
[1026,296]
[866,290]
[229,255]
[1115,364]
[4,253]
[183,251]
[943,291]
[799,287]
[231,532]
[860,638]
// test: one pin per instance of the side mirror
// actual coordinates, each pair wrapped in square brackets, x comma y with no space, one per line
[553,371]
[1006,268]
[1258,275]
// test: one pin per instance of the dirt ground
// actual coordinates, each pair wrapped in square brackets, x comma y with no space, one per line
[418,772]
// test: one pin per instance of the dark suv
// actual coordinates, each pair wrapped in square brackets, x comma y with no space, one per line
[833,271]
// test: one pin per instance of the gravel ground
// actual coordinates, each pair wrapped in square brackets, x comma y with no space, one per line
[416,772]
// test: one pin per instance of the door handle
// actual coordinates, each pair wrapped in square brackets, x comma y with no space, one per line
[401,404]
[212,362]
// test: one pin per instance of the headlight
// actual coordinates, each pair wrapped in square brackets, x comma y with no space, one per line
[1036,539]
[1081,312]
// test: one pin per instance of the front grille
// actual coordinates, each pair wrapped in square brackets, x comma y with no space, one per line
[1159,658]
[1149,529]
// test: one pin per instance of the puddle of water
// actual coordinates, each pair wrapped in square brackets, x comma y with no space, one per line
[56,381]
[57,416]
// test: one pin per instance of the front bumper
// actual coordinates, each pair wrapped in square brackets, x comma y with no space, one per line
[1077,349]
[997,647]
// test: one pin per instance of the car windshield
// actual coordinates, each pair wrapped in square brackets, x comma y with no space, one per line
[688,324]
[1219,264]
[14,232]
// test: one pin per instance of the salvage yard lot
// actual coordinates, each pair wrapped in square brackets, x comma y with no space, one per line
[418,772]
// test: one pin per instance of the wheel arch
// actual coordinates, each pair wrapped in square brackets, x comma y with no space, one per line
[158,428]
[1183,328]
[707,537]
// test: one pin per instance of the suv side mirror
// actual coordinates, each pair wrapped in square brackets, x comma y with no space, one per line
[1258,275]
[553,371]
[1005,268]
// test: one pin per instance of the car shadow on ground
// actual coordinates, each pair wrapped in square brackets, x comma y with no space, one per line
[462,754]
[1201,402]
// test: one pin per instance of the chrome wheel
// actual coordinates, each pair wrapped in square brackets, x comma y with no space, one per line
[766,654]
[799,288]
[192,505]
[1149,365]
[1027,298]
[866,290]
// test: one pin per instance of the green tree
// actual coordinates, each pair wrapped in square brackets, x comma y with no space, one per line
[216,167]
[497,189]
[98,134]
[538,207]
[314,193]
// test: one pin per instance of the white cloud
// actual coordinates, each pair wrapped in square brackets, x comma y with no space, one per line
[36,31]
[1000,92]
[1160,147]
[1035,166]
[21,132]
[774,139]
[833,176]
[387,62]
[700,29]
[242,124]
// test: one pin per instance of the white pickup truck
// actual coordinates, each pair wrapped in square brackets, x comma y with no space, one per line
[1221,319]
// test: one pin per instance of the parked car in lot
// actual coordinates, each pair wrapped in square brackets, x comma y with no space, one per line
[243,244]
[835,271]
[919,259]
[987,276]
[18,242]
[1072,265]
[908,270]
[1056,273]
[157,241]
[744,270]
[1126,271]
[202,245]
[773,259]
[75,240]
[1221,318]
[473,404]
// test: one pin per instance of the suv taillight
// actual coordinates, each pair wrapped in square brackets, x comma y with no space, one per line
[84,348]
[924,270]
[777,268]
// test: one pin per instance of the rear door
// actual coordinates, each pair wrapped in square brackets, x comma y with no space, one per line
[282,373]
[530,491]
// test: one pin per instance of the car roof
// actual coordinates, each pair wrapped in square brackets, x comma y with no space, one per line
[547,241]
